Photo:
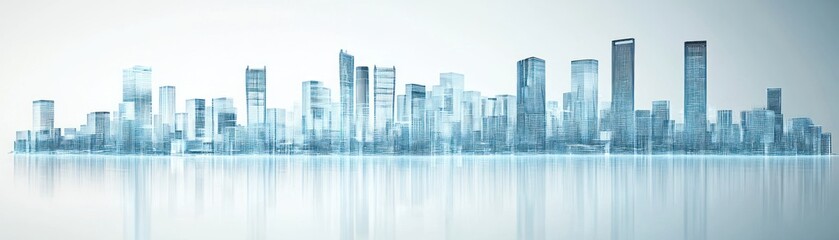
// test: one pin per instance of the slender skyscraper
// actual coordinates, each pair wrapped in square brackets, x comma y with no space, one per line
[195,110]
[223,118]
[43,123]
[136,88]
[643,132]
[696,93]
[660,117]
[623,95]
[530,88]
[384,98]
[255,79]
[315,116]
[584,108]
[167,107]
[415,103]
[447,99]
[362,105]
[773,103]
[725,131]
[346,65]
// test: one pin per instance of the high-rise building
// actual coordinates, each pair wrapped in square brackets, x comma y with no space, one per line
[696,93]
[584,109]
[568,126]
[43,124]
[725,132]
[136,88]
[415,103]
[384,98]
[124,130]
[623,95]
[815,140]
[660,124]
[499,123]
[553,117]
[773,103]
[447,99]
[195,127]
[346,66]
[99,124]
[223,119]
[758,130]
[167,108]
[255,82]
[643,124]
[799,134]
[530,89]
[827,141]
[276,120]
[471,121]
[362,105]
[316,115]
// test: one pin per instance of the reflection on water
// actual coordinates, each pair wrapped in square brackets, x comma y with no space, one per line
[460,197]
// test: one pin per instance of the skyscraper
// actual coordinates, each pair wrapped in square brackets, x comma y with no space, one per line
[167,107]
[530,89]
[643,132]
[725,131]
[255,81]
[584,109]
[136,88]
[346,65]
[384,98]
[696,93]
[166,114]
[43,123]
[799,134]
[471,120]
[415,103]
[623,95]
[315,116]
[660,117]
[448,101]
[362,105]
[773,103]
[758,130]
[195,110]
[276,128]
[223,118]
[99,124]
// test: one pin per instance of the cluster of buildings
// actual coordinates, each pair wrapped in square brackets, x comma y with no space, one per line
[369,117]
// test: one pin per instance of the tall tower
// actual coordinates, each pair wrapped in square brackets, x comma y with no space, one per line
[346,66]
[384,97]
[136,89]
[773,103]
[167,109]
[362,105]
[584,108]
[623,95]
[696,93]
[255,94]
[43,122]
[530,128]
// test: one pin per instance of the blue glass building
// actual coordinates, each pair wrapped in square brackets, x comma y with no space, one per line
[530,89]
[623,95]
[696,93]
[584,109]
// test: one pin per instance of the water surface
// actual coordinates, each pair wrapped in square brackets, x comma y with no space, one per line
[453,197]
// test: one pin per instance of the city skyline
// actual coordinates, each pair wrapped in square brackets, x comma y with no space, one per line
[442,120]
[288,37]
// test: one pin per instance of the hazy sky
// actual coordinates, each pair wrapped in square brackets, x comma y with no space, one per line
[74,51]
